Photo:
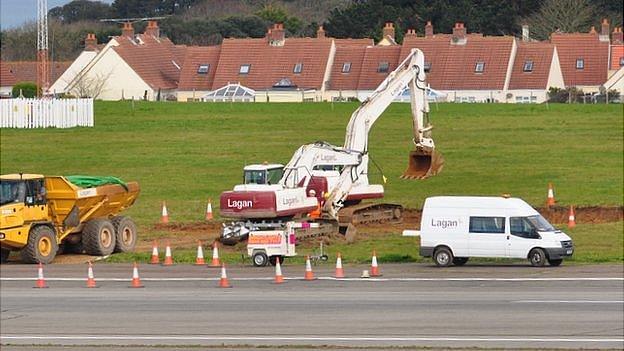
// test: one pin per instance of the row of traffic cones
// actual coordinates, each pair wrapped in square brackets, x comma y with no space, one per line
[550,201]
[164,214]
[199,260]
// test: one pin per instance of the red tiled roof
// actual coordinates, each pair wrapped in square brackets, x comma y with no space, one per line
[349,80]
[370,78]
[573,46]
[156,60]
[7,79]
[269,64]
[617,53]
[26,71]
[195,56]
[364,42]
[453,66]
[541,55]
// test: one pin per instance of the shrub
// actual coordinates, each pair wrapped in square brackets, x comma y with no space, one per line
[27,90]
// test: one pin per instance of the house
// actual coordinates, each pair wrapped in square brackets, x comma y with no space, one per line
[26,71]
[616,51]
[535,70]
[87,55]
[7,80]
[198,72]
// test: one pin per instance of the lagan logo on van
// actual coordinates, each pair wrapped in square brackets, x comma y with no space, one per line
[444,223]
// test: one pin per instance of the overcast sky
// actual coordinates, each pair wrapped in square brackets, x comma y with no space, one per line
[15,12]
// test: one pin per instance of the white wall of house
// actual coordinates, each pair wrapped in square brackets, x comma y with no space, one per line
[476,96]
[288,95]
[337,95]
[616,82]
[555,76]
[185,95]
[6,90]
[60,86]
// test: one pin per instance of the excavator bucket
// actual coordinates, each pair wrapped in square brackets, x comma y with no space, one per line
[423,164]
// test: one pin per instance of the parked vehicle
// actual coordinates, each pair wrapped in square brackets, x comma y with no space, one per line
[455,228]
[265,246]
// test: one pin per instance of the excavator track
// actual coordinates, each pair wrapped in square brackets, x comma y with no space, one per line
[370,213]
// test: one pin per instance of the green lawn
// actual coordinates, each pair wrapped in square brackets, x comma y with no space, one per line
[185,153]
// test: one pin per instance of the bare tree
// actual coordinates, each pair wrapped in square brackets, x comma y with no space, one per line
[89,86]
[561,15]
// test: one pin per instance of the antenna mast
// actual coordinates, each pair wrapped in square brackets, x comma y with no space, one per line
[43,66]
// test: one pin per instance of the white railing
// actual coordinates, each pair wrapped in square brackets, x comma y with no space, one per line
[45,113]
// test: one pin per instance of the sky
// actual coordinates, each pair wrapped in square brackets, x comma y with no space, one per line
[15,12]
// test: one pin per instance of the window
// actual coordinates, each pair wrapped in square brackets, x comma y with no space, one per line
[244,69]
[520,226]
[383,67]
[580,63]
[346,67]
[298,68]
[528,66]
[487,224]
[479,66]
[203,68]
[621,61]
[427,67]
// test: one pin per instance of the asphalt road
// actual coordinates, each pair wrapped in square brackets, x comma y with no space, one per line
[411,305]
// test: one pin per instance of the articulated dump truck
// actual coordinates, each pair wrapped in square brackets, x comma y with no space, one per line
[42,215]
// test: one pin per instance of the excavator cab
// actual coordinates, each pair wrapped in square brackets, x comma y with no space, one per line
[423,164]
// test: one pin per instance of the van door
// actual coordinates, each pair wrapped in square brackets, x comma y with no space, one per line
[522,238]
[486,237]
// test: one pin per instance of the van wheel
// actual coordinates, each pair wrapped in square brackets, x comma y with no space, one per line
[259,259]
[98,237]
[460,261]
[537,257]
[125,233]
[443,257]
[41,247]
[555,263]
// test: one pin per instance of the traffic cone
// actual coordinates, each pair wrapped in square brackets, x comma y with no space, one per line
[308,270]
[90,278]
[155,259]
[168,259]
[215,256]
[551,196]
[571,218]
[136,282]
[339,271]
[279,279]
[200,255]
[164,216]
[40,279]
[374,271]
[224,283]
[209,210]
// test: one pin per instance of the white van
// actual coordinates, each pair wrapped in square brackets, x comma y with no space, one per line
[455,228]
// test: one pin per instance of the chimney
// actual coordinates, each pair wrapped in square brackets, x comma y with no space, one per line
[604,28]
[428,30]
[388,30]
[411,33]
[127,30]
[525,33]
[459,33]
[276,35]
[90,42]
[593,30]
[616,36]
[152,29]
[320,33]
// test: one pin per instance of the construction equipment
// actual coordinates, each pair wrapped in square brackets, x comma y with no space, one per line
[40,213]
[326,184]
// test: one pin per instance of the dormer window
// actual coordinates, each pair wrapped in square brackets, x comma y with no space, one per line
[622,61]
[580,63]
[203,68]
[244,69]
[383,67]
[528,66]
[479,67]
[346,67]
[298,68]
[427,67]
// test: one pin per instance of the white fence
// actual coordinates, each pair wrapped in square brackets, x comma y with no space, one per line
[44,113]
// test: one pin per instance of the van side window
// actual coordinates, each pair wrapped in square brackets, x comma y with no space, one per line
[520,226]
[487,225]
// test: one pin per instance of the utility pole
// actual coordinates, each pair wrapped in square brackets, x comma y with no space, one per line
[43,66]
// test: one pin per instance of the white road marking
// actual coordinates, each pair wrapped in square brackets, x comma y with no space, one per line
[569,301]
[300,338]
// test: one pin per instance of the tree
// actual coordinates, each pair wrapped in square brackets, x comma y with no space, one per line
[24,89]
[563,15]
[90,86]
[148,8]
[81,10]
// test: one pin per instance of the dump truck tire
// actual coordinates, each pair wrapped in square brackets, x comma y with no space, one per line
[4,255]
[41,246]
[125,233]
[98,237]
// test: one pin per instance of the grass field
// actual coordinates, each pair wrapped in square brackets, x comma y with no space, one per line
[185,153]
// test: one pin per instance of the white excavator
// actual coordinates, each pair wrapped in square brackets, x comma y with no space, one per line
[326,184]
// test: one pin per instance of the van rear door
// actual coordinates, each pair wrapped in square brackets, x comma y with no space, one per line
[487,237]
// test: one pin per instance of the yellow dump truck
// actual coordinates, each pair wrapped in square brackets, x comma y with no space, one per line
[40,214]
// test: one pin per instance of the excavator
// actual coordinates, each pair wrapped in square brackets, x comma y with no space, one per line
[327,184]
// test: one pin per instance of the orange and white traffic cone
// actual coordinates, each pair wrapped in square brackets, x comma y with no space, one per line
[374,271]
[215,256]
[200,255]
[155,259]
[90,278]
[339,271]
[164,216]
[551,196]
[136,281]
[571,218]
[40,279]
[168,258]
[279,279]
[224,283]
[209,210]
[309,275]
